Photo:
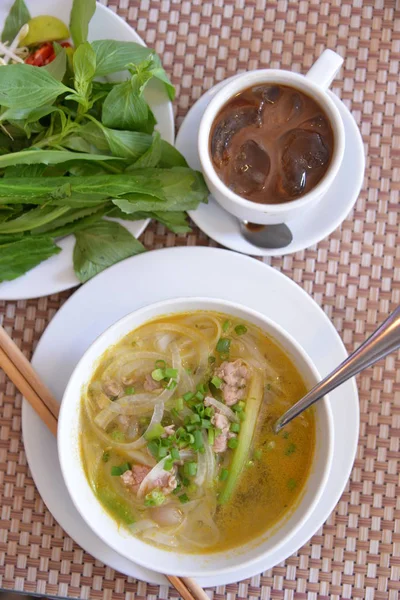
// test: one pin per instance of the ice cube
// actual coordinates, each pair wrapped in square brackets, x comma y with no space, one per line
[227,128]
[251,168]
[319,123]
[281,112]
[303,152]
[268,93]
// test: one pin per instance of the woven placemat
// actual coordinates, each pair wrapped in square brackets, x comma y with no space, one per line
[354,275]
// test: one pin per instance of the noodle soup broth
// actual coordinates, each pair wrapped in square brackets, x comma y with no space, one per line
[176,432]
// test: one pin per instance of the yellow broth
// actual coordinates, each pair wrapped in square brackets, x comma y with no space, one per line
[276,466]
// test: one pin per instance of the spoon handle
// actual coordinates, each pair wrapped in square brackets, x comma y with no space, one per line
[383,341]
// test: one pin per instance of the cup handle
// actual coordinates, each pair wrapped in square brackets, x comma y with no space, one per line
[325,69]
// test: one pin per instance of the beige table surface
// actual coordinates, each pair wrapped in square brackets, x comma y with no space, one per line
[354,275]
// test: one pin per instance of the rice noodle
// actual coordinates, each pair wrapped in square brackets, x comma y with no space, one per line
[142,525]
[222,408]
[159,537]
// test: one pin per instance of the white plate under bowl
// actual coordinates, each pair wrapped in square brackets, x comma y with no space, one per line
[171,273]
[56,273]
[314,225]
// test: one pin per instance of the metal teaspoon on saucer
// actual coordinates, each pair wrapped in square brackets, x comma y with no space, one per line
[383,341]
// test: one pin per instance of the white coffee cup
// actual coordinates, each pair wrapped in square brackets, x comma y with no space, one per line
[315,84]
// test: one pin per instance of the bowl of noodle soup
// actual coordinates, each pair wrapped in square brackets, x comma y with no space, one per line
[166,439]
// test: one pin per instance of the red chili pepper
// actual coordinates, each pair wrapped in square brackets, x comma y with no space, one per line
[66,45]
[41,57]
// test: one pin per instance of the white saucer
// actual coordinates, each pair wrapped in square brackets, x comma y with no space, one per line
[307,230]
[170,273]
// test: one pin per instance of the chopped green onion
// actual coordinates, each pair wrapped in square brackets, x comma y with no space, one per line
[291,484]
[242,416]
[257,454]
[188,396]
[240,329]
[186,420]
[239,406]
[106,456]
[183,498]
[188,371]
[160,364]
[226,326]
[205,423]
[291,449]
[190,437]
[120,470]
[175,413]
[179,404]
[172,385]
[154,498]
[202,388]
[224,474]
[175,454]
[192,488]
[209,411]
[211,360]
[162,452]
[211,436]
[195,419]
[223,345]
[190,469]
[155,432]
[202,450]
[190,428]
[216,381]
[129,390]
[118,436]
[177,489]
[168,464]
[233,443]
[235,427]
[198,440]
[171,373]
[199,396]
[158,374]
[153,447]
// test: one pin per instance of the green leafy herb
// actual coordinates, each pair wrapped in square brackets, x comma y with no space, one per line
[17,17]
[18,257]
[100,246]
[81,13]
[292,484]
[57,67]
[26,86]
[106,456]
[84,69]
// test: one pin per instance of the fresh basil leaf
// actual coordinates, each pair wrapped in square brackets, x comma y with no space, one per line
[125,108]
[18,257]
[113,56]
[57,67]
[100,246]
[26,86]
[33,218]
[47,157]
[17,17]
[123,144]
[10,238]
[84,68]
[29,115]
[152,156]
[171,157]
[81,13]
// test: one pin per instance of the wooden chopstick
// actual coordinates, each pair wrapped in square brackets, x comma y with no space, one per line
[27,381]
[27,371]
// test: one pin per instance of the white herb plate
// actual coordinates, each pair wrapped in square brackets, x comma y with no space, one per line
[170,273]
[57,274]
